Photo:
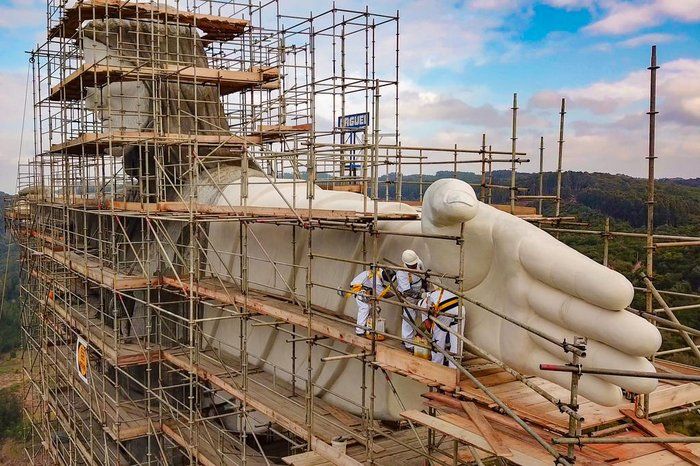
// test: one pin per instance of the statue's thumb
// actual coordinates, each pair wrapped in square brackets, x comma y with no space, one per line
[447,203]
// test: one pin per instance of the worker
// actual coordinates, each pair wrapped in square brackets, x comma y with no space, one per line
[444,306]
[366,285]
[411,287]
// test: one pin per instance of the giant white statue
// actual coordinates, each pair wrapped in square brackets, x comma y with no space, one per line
[509,265]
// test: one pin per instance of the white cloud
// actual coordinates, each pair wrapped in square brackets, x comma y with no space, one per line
[571,4]
[627,17]
[435,35]
[649,39]
[21,14]
[615,139]
[494,4]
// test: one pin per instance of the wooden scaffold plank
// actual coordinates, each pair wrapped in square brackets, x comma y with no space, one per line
[267,403]
[93,75]
[654,430]
[97,143]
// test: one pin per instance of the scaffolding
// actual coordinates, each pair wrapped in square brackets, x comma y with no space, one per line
[155,127]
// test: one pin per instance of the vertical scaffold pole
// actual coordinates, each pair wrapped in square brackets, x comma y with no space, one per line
[649,300]
[606,241]
[541,177]
[513,142]
[310,185]
[560,156]
[482,194]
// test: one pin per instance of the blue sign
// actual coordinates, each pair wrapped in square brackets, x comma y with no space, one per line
[355,121]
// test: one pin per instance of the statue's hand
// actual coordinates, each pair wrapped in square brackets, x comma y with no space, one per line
[515,267]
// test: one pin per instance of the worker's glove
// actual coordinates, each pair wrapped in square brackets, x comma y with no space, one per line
[411,293]
[341,293]
[364,298]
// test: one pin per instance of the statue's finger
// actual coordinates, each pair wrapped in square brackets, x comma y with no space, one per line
[622,330]
[591,387]
[565,269]
[448,202]
[599,355]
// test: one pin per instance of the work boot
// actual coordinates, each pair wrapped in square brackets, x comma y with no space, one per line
[375,336]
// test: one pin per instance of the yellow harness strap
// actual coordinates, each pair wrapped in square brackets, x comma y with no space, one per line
[358,287]
[436,305]
[440,306]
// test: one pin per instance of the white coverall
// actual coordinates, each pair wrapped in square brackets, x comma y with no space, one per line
[363,288]
[446,305]
[409,281]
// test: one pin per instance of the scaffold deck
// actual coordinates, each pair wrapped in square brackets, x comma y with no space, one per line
[213,448]
[273,398]
[535,408]
[98,143]
[227,81]
[389,355]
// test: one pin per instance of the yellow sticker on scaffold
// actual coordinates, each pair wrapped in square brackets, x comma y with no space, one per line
[81,359]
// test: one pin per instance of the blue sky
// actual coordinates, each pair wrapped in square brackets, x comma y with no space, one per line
[461,61]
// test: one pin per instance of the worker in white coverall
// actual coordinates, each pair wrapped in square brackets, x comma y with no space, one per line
[367,284]
[411,286]
[444,306]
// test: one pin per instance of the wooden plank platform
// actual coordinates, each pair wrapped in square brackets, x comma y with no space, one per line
[227,81]
[658,430]
[97,143]
[215,27]
[204,211]
[123,420]
[96,271]
[275,132]
[208,445]
[457,428]
[535,408]
[389,355]
[102,339]
[527,451]
[309,458]
[270,397]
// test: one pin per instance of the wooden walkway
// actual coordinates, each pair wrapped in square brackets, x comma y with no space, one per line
[274,399]
[389,355]
[227,81]
[102,338]
[536,409]
[97,272]
[209,445]
[97,143]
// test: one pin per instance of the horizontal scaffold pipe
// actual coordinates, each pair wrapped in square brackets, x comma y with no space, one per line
[611,440]
[624,234]
[578,369]
[666,322]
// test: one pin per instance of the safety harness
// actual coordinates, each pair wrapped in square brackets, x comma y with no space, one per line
[359,288]
[441,307]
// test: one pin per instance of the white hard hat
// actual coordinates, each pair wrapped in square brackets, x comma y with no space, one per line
[409,257]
